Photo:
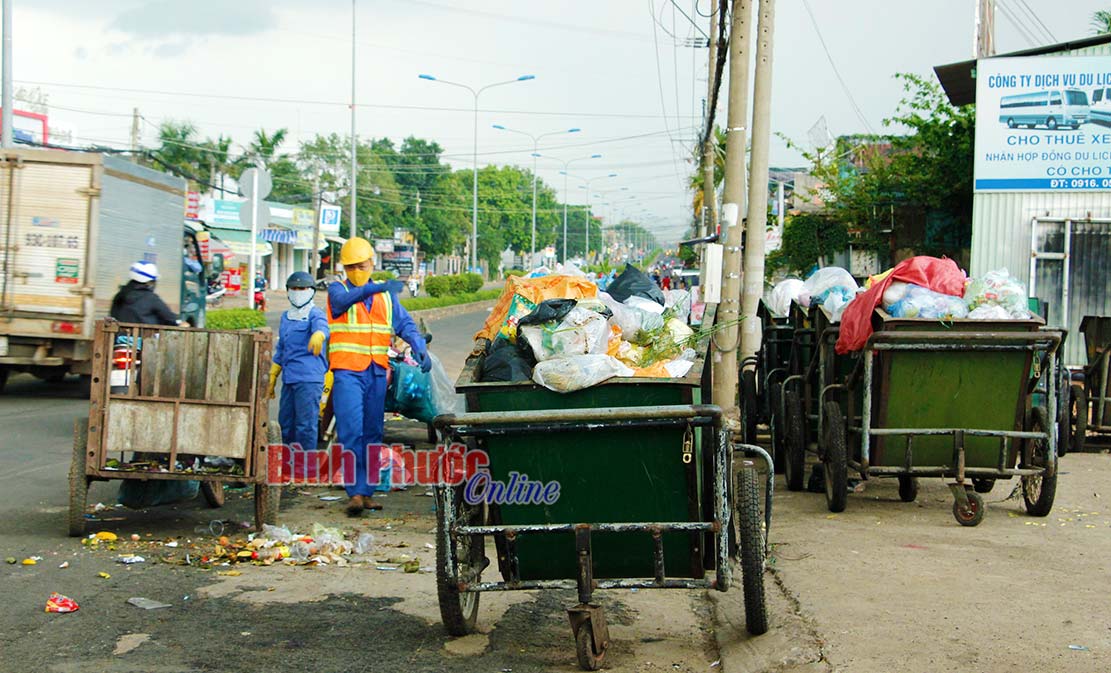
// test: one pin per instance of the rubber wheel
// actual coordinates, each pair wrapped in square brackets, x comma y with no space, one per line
[1011,123]
[1051,124]
[213,492]
[908,489]
[78,482]
[1038,491]
[834,459]
[458,609]
[1078,418]
[751,526]
[268,498]
[794,442]
[776,425]
[982,484]
[748,406]
[971,515]
[584,648]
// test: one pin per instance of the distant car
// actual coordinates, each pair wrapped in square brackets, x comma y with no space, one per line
[690,276]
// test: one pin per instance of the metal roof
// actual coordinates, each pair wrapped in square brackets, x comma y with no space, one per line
[959,79]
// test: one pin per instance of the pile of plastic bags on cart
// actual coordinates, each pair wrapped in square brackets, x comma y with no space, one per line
[561,332]
[830,287]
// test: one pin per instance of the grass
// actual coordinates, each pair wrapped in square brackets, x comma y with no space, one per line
[423,303]
[234,318]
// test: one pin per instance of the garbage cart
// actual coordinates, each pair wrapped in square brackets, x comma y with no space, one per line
[946,399]
[176,403]
[645,498]
[1090,399]
[761,376]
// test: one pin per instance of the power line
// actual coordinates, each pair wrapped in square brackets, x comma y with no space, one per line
[1032,41]
[836,72]
[1037,20]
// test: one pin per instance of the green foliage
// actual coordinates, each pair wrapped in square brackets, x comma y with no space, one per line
[514,272]
[437,286]
[1101,22]
[381,275]
[422,303]
[457,284]
[472,282]
[460,284]
[234,318]
[807,238]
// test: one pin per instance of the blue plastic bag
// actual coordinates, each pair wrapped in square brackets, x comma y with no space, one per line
[410,392]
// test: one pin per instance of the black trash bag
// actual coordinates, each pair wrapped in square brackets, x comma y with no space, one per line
[634,283]
[549,310]
[505,362]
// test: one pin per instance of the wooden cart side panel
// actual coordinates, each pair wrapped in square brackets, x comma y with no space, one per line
[223,367]
[244,388]
[171,359]
[207,430]
[94,456]
[139,426]
[200,366]
[257,460]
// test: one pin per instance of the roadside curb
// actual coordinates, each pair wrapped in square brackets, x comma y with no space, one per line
[456,309]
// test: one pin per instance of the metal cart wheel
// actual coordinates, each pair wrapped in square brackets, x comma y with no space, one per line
[777,427]
[794,441]
[834,458]
[458,609]
[78,482]
[908,488]
[1078,417]
[982,484]
[268,498]
[1038,491]
[213,492]
[585,649]
[752,550]
[748,406]
[973,513]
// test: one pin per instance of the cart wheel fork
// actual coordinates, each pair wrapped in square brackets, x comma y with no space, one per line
[592,636]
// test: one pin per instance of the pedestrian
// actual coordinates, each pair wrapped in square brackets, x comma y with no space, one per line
[414,285]
[665,282]
[136,301]
[302,362]
[362,317]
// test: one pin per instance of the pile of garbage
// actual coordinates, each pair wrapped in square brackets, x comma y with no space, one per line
[561,332]
[830,287]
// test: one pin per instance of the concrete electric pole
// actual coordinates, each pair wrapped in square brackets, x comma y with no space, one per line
[6,95]
[709,196]
[726,339]
[757,224]
[984,41]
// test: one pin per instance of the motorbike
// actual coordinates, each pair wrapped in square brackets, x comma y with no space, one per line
[260,301]
[215,293]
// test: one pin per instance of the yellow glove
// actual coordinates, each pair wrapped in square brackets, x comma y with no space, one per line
[316,342]
[275,369]
[328,377]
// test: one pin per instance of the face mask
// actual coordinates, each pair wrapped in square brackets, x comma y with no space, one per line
[301,297]
[358,277]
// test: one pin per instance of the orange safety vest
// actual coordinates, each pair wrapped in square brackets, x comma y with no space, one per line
[360,337]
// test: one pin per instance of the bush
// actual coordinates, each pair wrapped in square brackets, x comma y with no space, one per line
[437,286]
[514,272]
[234,318]
[474,282]
[379,276]
[423,303]
[458,284]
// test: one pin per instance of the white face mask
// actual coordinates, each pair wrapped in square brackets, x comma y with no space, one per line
[300,298]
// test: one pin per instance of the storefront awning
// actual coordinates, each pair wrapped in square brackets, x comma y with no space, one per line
[278,235]
[240,243]
[335,239]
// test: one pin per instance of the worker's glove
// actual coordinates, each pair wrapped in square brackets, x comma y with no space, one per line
[394,286]
[423,359]
[316,342]
[328,379]
[275,369]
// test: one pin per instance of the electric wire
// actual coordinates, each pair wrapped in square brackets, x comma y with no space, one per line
[836,72]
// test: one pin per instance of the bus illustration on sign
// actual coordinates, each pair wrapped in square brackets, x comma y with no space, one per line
[1053,109]
[1100,111]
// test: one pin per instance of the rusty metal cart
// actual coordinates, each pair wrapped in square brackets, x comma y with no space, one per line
[1090,401]
[946,399]
[646,499]
[760,379]
[187,394]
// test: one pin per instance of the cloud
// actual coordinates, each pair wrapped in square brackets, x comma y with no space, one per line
[171,49]
[80,53]
[117,48]
[160,19]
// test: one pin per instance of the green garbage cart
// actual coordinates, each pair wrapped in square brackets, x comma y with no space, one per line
[1090,399]
[946,399]
[646,498]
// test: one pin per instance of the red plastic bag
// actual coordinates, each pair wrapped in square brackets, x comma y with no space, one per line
[59,603]
[939,275]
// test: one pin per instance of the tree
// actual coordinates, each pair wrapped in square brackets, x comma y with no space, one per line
[1101,22]
[328,159]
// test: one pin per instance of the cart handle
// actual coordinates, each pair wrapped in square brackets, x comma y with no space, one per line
[675,411]
[1051,339]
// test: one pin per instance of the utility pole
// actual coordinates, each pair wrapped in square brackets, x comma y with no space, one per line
[758,184]
[983,44]
[135,135]
[354,141]
[709,195]
[727,339]
[6,86]
[314,254]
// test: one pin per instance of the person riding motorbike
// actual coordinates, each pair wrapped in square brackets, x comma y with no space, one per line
[136,301]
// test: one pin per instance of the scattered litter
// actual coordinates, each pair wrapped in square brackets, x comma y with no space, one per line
[229,573]
[29,561]
[914,546]
[146,603]
[385,568]
[716,664]
[411,566]
[330,498]
[363,543]
[106,536]
[134,537]
[172,544]
[104,576]
[65,564]
[429,545]
[1079,648]
[62,604]
[130,641]
[129,560]
[244,633]
[428,494]
[11,560]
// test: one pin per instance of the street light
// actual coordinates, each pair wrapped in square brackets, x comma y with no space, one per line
[474,181]
[535,156]
[566,165]
[586,186]
[609,203]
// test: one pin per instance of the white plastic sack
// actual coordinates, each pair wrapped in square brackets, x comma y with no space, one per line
[678,368]
[444,398]
[646,305]
[581,331]
[990,312]
[679,331]
[680,302]
[632,322]
[780,298]
[567,374]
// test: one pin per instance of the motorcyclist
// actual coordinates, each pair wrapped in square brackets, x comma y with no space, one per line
[136,301]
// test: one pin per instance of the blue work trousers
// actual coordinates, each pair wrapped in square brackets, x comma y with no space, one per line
[299,416]
[359,402]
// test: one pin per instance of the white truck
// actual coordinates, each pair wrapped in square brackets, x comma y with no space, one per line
[71,223]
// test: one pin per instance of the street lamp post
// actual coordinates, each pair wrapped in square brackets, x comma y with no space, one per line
[535,156]
[474,180]
[586,186]
[566,165]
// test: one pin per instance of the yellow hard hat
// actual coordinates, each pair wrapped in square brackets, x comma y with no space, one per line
[356,250]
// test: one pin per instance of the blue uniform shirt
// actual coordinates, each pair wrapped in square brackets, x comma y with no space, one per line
[342,296]
[292,352]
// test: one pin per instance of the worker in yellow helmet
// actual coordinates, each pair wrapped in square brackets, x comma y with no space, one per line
[362,317]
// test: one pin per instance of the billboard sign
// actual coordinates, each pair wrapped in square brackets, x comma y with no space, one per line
[330,217]
[1043,123]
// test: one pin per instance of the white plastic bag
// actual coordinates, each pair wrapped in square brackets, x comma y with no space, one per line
[632,322]
[444,398]
[581,331]
[646,305]
[680,302]
[780,298]
[567,374]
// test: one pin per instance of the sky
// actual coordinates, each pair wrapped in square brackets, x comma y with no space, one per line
[619,70]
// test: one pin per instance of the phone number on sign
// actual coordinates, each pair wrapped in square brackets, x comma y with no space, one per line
[52,241]
[1080,183]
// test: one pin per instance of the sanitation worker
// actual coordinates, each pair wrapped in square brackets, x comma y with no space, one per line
[363,316]
[302,362]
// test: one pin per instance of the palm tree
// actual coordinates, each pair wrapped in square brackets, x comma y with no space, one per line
[1101,22]
[263,149]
